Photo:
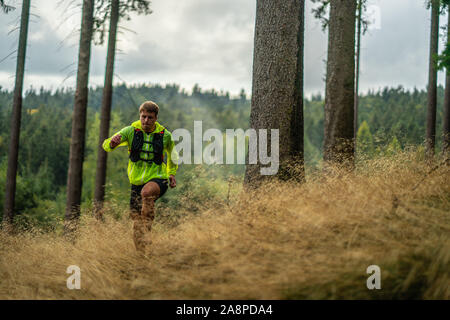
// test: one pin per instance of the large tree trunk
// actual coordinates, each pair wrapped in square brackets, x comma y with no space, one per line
[358,54]
[74,177]
[8,210]
[340,84]
[432,80]
[446,126]
[277,97]
[100,177]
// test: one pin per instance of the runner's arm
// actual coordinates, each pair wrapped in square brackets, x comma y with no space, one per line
[124,138]
[172,156]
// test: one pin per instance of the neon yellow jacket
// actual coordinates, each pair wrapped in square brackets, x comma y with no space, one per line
[141,172]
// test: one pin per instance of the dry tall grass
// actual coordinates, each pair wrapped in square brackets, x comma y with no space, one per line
[312,241]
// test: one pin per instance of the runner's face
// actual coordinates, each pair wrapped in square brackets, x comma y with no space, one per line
[148,120]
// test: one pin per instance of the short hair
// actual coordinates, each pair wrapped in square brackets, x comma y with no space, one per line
[149,106]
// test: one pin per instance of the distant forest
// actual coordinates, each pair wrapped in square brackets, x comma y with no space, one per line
[390,119]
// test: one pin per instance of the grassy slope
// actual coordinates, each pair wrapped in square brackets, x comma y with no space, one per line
[312,241]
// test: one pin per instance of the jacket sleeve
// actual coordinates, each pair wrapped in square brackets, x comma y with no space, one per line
[172,155]
[124,140]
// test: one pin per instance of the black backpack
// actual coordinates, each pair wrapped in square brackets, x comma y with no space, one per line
[138,142]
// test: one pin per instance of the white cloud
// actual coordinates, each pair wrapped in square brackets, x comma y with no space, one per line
[210,42]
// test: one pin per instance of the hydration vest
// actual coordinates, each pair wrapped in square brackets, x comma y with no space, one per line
[138,142]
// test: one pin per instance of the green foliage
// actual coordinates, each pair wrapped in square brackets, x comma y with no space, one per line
[441,3]
[365,140]
[320,12]
[314,115]
[443,60]
[312,154]
[30,187]
[393,147]
[46,129]
[388,112]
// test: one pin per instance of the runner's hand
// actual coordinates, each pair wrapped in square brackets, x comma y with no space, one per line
[172,181]
[115,141]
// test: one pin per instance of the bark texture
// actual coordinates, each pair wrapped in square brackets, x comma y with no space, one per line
[277,93]
[340,84]
[446,126]
[432,80]
[358,55]
[76,157]
[8,210]
[100,178]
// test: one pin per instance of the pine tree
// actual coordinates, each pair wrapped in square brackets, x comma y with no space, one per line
[340,84]
[446,125]
[76,157]
[277,98]
[8,210]
[393,147]
[365,140]
[115,9]
[100,177]
[358,56]
[432,79]
[362,25]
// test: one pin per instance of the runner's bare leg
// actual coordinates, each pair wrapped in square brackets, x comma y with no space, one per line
[143,224]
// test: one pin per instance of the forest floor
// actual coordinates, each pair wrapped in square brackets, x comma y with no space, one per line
[284,241]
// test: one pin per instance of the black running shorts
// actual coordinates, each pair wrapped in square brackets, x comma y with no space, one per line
[136,198]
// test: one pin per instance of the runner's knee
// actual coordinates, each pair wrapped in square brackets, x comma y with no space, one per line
[148,194]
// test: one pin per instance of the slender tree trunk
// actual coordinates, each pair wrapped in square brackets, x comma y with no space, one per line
[74,177]
[100,178]
[340,84]
[446,126]
[8,210]
[358,54]
[432,80]
[277,97]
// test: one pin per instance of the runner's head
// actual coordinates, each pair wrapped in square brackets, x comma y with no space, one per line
[148,112]
[149,106]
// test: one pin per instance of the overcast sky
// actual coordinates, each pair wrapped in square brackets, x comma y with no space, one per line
[210,42]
